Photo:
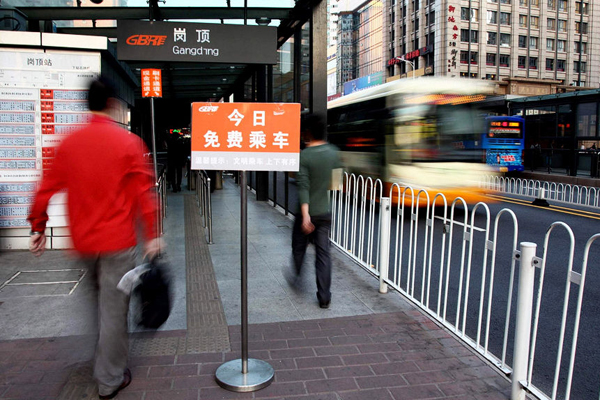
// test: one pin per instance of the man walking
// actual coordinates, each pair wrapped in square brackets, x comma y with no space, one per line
[317,162]
[110,187]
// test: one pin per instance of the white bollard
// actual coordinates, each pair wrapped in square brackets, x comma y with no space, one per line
[523,325]
[541,199]
[384,243]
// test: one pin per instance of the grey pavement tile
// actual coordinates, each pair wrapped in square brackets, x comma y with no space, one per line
[262,310]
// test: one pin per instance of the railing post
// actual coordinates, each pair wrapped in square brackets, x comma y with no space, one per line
[209,212]
[384,243]
[523,324]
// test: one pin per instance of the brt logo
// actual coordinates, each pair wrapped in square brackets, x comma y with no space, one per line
[146,40]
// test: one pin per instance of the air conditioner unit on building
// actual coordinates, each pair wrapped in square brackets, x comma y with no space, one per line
[12,19]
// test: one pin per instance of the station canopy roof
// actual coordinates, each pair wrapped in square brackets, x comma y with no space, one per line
[196,81]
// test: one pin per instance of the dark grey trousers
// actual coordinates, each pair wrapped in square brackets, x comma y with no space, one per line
[113,340]
[320,238]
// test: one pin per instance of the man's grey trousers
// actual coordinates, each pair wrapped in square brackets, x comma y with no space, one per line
[112,348]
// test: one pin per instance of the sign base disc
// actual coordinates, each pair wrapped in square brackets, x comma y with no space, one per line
[229,375]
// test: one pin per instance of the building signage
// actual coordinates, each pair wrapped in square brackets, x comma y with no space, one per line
[409,56]
[363,82]
[246,136]
[151,82]
[178,41]
[453,34]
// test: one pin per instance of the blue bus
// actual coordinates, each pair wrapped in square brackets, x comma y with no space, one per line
[503,143]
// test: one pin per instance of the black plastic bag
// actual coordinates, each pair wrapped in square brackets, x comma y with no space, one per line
[154,295]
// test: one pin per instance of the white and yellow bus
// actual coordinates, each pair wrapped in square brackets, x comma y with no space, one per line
[424,133]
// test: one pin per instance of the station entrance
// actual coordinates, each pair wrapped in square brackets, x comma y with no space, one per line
[52,41]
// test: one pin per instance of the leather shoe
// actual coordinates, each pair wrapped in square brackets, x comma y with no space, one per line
[324,304]
[124,384]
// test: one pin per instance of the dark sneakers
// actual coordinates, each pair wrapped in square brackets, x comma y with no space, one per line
[126,382]
[324,304]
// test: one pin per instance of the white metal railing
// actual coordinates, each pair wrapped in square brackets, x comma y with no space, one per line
[428,252]
[560,192]
[203,200]
[161,186]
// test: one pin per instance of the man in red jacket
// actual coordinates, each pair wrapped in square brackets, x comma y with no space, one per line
[110,186]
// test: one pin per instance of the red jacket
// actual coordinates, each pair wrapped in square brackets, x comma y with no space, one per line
[109,185]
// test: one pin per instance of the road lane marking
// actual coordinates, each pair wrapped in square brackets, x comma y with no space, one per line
[559,209]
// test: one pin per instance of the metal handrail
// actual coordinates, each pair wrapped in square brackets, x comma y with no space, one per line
[406,263]
[204,202]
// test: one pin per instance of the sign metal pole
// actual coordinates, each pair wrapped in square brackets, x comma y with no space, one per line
[244,375]
[215,149]
[155,164]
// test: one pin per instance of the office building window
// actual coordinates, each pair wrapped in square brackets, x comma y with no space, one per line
[533,43]
[504,18]
[581,27]
[504,60]
[534,3]
[549,64]
[562,25]
[576,67]
[490,59]
[522,61]
[464,57]
[550,44]
[493,1]
[581,47]
[561,45]
[464,36]
[522,41]
[551,4]
[534,22]
[464,13]
[562,5]
[492,38]
[416,25]
[492,17]
[523,21]
[551,24]
[490,76]
[578,7]
[505,39]
[523,3]
[504,1]
[533,63]
[432,18]
[560,65]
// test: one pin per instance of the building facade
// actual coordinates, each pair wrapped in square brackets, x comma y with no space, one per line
[360,40]
[554,40]
[544,41]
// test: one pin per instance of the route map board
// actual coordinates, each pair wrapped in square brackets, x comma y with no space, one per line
[43,98]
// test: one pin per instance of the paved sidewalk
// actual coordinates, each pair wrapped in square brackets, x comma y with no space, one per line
[376,356]
[366,346]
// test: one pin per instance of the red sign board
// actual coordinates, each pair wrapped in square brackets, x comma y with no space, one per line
[246,136]
[151,82]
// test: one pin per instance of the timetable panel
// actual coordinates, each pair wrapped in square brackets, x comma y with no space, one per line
[43,99]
